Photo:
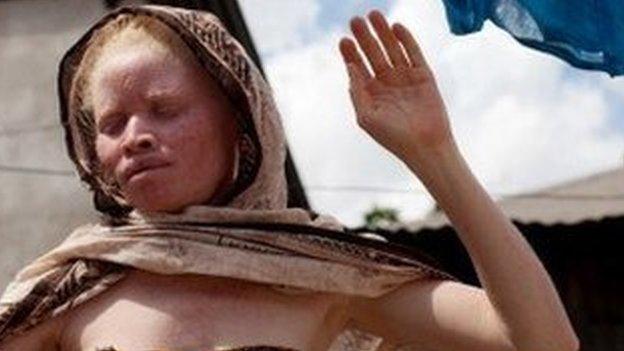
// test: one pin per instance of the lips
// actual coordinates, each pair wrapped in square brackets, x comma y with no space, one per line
[141,165]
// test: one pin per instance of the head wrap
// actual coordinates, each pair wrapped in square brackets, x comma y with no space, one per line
[252,235]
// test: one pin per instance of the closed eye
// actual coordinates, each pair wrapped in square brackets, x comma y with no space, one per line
[111,124]
[164,110]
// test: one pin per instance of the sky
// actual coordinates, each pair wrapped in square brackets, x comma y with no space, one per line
[523,120]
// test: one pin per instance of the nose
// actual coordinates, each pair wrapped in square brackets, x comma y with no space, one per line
[139,137]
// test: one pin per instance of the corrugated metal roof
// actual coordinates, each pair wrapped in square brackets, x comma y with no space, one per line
[590,198]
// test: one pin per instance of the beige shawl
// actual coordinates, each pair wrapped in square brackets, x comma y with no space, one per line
[251,235]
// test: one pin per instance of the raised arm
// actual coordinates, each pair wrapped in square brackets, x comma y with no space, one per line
[398,104]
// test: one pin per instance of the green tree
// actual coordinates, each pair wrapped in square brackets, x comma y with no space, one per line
[380,217]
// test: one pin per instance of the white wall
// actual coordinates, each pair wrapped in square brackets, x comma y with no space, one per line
[36,211]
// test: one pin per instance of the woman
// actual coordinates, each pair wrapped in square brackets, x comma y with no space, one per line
[176,133]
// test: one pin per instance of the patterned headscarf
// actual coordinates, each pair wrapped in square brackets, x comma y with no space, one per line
[261,182]
[251,236]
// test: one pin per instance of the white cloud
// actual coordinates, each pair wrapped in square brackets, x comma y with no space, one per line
[280,24]
[519,120]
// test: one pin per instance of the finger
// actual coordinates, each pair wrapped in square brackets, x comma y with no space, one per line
[356,77]
[359,96]
[411,46]
[388,39]
[369,46]
[350,55]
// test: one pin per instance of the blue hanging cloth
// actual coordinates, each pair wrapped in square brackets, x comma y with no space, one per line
[586,33]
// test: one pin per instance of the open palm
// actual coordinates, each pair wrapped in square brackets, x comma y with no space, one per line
[398,103]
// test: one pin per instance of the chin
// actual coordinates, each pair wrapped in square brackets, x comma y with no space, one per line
[152,199]
[146,205]
[159,202]
[162,194]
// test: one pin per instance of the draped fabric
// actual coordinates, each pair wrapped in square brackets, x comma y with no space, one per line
[250,236]
[586,34]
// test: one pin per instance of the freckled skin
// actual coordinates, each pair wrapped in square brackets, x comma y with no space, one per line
[148,105]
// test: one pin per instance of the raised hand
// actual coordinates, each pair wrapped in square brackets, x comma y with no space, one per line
[398,103]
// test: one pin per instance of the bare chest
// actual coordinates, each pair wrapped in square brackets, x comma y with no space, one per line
[147,311]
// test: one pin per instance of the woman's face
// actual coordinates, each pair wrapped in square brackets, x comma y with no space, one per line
[164,130]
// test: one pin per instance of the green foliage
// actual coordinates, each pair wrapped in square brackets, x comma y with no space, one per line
[381,216]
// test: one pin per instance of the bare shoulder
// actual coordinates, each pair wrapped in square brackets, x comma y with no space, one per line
[44,336]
